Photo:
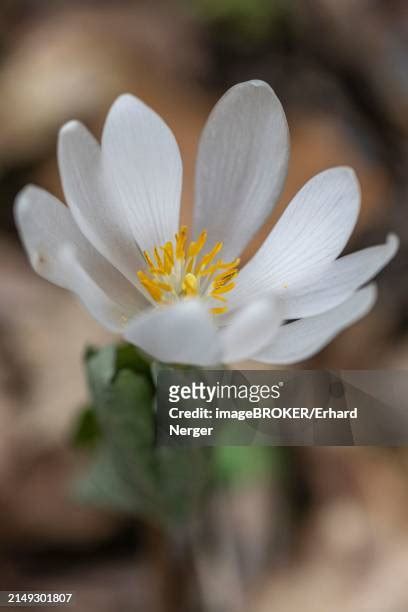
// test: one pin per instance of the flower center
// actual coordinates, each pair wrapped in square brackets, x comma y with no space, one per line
[179,270]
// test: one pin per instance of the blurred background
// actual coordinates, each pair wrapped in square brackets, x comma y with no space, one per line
[323,529]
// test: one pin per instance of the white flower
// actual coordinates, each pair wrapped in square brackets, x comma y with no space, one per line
[118,245]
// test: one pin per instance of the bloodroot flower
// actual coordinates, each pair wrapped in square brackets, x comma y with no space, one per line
[181,296]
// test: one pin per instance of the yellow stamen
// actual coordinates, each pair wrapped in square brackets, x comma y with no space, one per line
[190,265]
[225,277]
[181,238]
[148,259]
[223,289]
[151,286]
[207,259]
[220,265]
[158,260]
[218,311]
[196,247]
[168,260]
[190,285]
[163,286]
[173,273]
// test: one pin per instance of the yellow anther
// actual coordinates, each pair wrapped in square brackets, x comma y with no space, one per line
[190,285]
[231,264]
[168,255]
[163,286]
[196,247]
[218,311]
[151,286]
[190,264]
[168,258]
[149,260]
[207,259]
[220,265]
[158,259]
[225,277]
[181,238]
[223,289]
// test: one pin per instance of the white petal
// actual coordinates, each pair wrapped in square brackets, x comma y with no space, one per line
[143,156]
[311,233]
[339,281]
[250,330]
[93,201]
[45,225]
[106,311]
[304,338]
[242,164]
[183,333]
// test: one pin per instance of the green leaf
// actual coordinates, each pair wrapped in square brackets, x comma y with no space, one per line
[87,432]
[126,416]
[103,365]
[103,487]
[122,392]
[128,356]
[101,368]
